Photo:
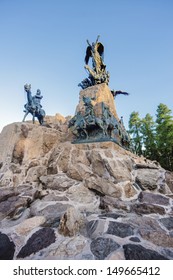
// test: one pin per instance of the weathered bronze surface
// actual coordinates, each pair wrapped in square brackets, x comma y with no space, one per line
[96,119]
[33,106]
[88,127]
[98,73]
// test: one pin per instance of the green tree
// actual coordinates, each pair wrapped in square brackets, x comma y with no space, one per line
[148,131]
[135,132]
[164,136]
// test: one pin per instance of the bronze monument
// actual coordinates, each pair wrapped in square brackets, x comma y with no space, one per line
[96,119]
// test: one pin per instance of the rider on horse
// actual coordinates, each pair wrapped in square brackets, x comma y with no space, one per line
[33,105]
[36,100]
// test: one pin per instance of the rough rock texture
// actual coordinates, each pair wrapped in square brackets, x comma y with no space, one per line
[99,93]
[80,201]
[137,252]
[7,247]
[39,240]
[102,247]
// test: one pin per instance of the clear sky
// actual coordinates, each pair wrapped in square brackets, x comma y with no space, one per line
[43,42]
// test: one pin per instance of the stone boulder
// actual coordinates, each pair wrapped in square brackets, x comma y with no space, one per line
[39,240]
[71,222]
[138,252]
[7,247]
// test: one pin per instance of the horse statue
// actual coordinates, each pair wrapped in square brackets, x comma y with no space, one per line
[87,126]
[84,128]
[33,106]
[78,126]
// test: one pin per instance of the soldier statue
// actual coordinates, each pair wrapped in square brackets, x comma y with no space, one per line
[33,106]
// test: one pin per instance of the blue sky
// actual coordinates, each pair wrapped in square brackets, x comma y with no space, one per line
[43,42]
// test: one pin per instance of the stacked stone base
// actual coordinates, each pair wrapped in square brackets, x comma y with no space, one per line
[85,201]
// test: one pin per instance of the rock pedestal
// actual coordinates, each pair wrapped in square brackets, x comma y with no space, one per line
[84,201]
[99,94]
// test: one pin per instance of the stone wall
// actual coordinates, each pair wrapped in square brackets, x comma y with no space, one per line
[82,201]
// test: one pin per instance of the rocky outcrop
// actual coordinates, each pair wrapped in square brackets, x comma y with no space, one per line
[80,201]
[98,93]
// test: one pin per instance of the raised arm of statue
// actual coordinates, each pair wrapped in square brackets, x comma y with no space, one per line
[88,43]
[97,39]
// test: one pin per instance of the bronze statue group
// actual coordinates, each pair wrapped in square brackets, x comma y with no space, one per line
[87,127]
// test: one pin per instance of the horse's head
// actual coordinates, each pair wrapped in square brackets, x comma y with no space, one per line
[27,87]
[72,122]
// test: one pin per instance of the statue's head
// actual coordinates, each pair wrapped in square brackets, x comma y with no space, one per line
[27,87]
[38,93]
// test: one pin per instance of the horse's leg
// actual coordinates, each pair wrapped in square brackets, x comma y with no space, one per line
[101,126]
[41,120]
[106,131]
[25,116]
[42,115]
[33,117]
[85,131]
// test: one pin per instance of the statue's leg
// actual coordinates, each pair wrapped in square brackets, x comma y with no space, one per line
[42,121]
[105,131]
[101,126]
[86,134]
[33,117]
[25,116]
[40,115]
[40,118]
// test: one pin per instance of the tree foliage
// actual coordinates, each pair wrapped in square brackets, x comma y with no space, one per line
[164,134]
[154,139]
[149,137]
[134,130]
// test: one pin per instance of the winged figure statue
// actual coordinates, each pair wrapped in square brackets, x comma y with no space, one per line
[97,73]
